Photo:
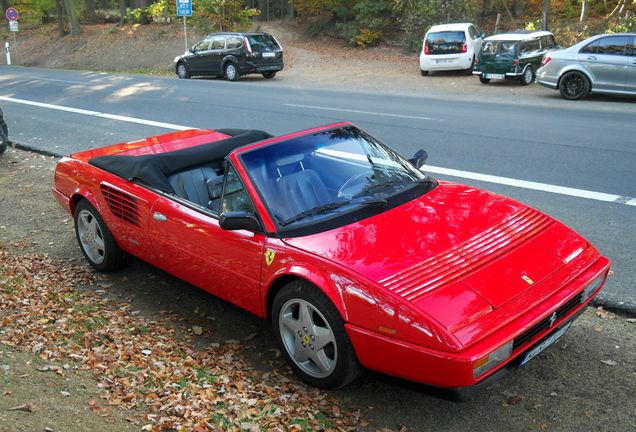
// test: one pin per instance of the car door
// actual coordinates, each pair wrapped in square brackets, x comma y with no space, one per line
[630,84]
[606,62]
[530,53]
[190,244]
[476,38]
[197,61]
[215,56]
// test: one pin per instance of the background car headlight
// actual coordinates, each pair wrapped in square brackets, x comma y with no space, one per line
[488,362]
[589,290]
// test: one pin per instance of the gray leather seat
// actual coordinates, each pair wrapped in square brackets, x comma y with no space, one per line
[301,191]
[193,184]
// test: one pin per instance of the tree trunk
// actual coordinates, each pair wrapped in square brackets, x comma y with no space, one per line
[517,8]
[583,17]
[89,10]
[60,18]
[546,11]
[122,11]
[486,7]
[261,5]
[72,18]
[5,6]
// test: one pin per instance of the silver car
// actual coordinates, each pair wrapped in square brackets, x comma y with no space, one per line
[601,64]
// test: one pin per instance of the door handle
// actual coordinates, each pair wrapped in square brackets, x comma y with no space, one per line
[159,217]
[591,58]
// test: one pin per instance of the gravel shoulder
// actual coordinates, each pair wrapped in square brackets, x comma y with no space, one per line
[585,382]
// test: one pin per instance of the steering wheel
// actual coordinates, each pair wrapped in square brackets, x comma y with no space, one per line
[349,184]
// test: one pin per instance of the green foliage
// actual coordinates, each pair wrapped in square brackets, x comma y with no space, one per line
[416,16]
[222,15]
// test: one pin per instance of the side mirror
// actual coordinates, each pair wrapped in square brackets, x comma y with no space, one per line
[239,220]
[482,35]
[419,158]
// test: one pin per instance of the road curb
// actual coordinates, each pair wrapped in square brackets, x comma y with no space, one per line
[34,149]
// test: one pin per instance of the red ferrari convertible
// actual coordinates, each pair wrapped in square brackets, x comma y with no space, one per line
[357,257]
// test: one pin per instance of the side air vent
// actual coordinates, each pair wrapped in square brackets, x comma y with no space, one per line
[121,204]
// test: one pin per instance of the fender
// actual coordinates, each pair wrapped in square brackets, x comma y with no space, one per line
[228,58]
[575,68]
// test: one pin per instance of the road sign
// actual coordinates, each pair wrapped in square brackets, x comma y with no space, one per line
[184,7]
[12,14]
[13,26]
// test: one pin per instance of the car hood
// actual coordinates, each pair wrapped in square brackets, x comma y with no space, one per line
[458,245]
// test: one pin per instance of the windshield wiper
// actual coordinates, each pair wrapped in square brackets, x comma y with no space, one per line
[331,206]
[380,186]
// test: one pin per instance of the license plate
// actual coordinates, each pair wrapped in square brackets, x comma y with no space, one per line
[269,54]
[443,61]
[544,344]
[494,76]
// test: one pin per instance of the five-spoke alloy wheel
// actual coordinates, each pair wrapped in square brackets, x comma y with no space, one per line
[231,72]
[312,336]
[95,239]
[182,71]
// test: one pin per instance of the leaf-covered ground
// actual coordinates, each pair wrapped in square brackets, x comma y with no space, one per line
[144,367]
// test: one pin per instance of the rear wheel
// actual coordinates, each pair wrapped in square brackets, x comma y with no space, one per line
[95,239]
[528,76]
[574,85]
[424,73]
[483,80]
[231,72]
[182,71]
[311,334]
[269,75]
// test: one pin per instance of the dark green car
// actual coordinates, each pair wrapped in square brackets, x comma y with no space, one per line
[512,55]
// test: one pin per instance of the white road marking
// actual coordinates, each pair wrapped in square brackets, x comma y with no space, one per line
[363,112]
[524,184]
[97,114]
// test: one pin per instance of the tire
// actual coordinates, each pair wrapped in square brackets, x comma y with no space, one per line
[302,318]
[231,72]
[4,134]
[528,76]
[96,241]
[574,86]
[182,71]
[424,73]
[483,80]
[269,75]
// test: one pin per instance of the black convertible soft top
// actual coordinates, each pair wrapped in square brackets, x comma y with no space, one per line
[155,169]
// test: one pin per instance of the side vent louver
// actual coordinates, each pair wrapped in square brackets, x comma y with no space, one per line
[121,204]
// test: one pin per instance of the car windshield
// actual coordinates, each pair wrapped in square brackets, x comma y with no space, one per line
[324,175]
[262,42]
[445,42]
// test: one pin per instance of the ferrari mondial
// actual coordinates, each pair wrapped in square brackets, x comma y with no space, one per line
[355,256]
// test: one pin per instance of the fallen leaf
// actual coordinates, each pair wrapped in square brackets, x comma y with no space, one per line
[606,315]
[27,407]
[609,362]
[197,330]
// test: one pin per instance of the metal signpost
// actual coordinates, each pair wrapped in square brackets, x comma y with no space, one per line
[184,9]
[12,16]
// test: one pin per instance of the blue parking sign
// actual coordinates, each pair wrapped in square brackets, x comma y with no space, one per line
[184,7]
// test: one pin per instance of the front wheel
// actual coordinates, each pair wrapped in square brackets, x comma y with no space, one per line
[483,80]
[231,72]
[182,71]
[528,76]
[95,239]
[574,86]
[269,75]
[311,334]
[424,73]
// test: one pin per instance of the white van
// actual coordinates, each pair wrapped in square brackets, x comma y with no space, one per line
[450,47]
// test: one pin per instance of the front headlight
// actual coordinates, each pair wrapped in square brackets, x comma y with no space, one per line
[488,362]
[593,286]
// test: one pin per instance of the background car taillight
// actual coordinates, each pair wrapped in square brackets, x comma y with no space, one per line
[515,62]
[247,47]
[426,50]
[464,48]
[545,60]
[476,61]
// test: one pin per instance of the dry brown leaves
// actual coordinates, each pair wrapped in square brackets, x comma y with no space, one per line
[141,365]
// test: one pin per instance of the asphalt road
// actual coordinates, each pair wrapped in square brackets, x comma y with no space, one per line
[587,146]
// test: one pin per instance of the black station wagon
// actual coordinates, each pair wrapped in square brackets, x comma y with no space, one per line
[512,55]
[232,55]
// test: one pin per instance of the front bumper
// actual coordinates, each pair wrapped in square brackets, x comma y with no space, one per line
[453,371]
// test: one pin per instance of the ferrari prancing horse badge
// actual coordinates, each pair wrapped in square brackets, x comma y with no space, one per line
[269,256]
